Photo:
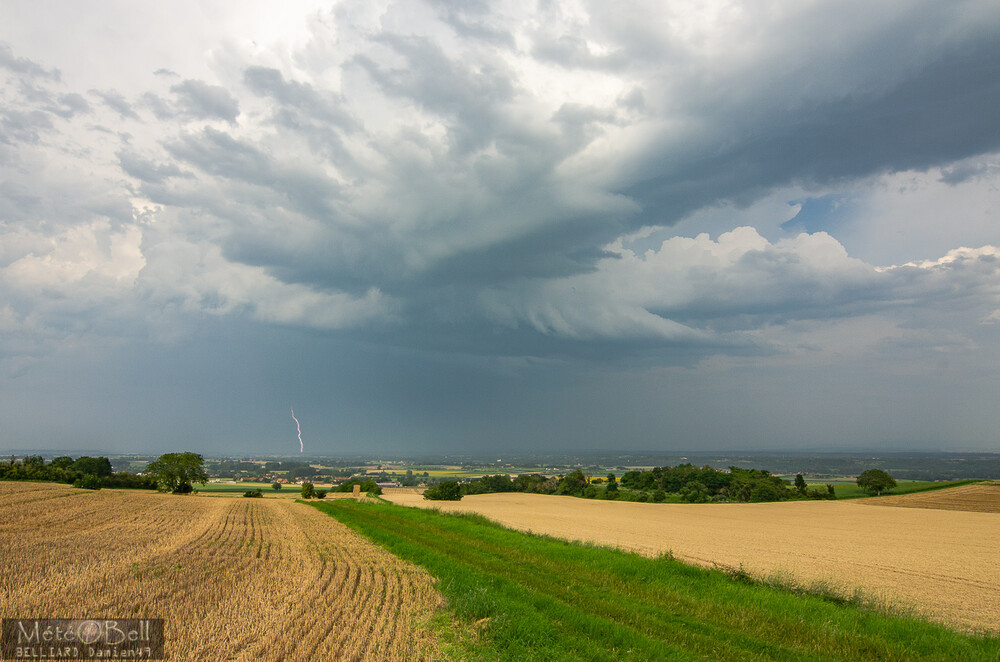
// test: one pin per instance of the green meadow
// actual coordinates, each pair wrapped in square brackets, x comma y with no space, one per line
[515,596]
[848,488]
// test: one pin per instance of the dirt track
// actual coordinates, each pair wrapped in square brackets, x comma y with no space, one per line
[943,564]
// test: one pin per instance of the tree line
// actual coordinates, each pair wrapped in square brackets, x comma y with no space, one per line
[86,472]
[684,482]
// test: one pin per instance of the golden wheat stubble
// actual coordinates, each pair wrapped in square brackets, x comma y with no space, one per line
[235,579]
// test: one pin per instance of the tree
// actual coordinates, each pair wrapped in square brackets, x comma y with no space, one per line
[694,492]
[275,486]
[96,466]
[800,484]
[176,472]
[875,481]
[307,491]
[449,490]
[62,462]
[573,483]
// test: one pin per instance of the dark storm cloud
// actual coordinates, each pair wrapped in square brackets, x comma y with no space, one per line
[200,100]
[931,116]
[434,222]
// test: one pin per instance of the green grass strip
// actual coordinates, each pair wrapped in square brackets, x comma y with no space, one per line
[547,599]
[852,491]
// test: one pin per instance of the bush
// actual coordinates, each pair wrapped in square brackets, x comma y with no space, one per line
[659,496]
[589,492]
[275,486]
[642,497]
[253,494]
[319,494]
[88,482]
[449,490]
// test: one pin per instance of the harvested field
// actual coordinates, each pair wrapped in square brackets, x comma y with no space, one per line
[235,579]
[981,498]
[941,564]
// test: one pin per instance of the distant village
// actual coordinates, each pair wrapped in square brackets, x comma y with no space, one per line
[298,473]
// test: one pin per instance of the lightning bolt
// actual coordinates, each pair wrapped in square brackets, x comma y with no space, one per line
[297,427]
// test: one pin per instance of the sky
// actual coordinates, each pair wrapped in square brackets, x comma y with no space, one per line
[434,226]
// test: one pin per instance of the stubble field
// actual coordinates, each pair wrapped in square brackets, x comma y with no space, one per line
[981,498]
[941,564]
[235,579]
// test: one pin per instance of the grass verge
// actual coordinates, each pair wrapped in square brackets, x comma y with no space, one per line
[528,597]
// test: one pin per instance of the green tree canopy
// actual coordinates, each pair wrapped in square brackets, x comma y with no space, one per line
[95,466]
[449,490]
[176,472]
[62,462]
[800,484]
[573,483]
[875,481]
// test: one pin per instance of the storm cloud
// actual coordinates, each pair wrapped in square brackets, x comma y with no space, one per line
[610,210]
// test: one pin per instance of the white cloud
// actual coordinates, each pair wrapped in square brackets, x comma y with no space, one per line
[85,263]
[790,295]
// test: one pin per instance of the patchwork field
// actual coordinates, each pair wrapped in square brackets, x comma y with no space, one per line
[235,579]
[981,498]
[942,564]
